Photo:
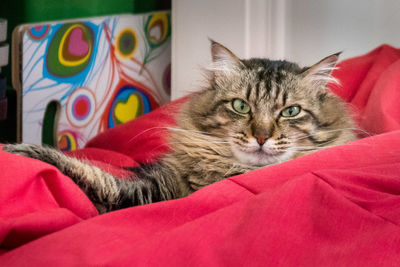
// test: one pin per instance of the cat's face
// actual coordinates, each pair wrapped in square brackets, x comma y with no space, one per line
[270,111]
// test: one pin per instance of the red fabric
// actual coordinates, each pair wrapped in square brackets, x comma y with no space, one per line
[371,84]
[339,206]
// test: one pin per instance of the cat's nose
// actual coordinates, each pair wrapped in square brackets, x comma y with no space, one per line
[261,138]
[261,133]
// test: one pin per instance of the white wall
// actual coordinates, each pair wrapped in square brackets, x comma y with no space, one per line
[300,30]
[317,28]
[193,22]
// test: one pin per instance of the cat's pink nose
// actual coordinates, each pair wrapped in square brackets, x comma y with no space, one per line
[261,139]
[261,134]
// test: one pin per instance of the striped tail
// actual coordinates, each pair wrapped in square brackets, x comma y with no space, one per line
[149,183]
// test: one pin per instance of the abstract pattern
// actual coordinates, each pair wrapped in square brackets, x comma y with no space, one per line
[128,103]
[103,71]
[126,43]
[67,141]
[38,32]
[80,107]
[157,30]
[70,50]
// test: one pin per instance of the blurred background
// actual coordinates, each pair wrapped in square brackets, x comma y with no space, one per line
[303,31]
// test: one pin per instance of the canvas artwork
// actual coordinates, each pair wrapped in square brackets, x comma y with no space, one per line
[102,71]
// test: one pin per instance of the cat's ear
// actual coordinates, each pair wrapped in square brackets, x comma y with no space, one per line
[321,72]
[223,60]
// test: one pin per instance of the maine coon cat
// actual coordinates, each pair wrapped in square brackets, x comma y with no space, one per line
[253,113]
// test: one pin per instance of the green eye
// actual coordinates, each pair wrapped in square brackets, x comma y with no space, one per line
[290,111]
[240,106]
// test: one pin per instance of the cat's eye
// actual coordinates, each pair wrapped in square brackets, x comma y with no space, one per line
[290,111]
[240,106]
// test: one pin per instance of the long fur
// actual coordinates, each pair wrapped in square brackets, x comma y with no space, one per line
[214,141]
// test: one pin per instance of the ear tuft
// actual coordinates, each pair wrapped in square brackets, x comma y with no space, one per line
[223,60]
[321,72]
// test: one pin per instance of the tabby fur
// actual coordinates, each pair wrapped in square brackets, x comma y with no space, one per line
[214,141]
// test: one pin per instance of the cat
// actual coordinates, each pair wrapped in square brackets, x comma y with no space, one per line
[253,113]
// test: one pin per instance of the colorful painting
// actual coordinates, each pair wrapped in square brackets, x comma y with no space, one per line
[103,71]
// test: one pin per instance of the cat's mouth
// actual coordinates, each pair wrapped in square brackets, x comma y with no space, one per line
[259,156]
[270,153]
[260,151]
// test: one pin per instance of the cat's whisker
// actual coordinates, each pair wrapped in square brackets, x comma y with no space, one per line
[168,128]
[200,142]
[193,131]
[215,145]
[145,131]
[300,137]
[320,147]
[356,145]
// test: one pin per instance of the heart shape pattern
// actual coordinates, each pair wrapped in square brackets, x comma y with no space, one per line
[77,44]
[127,110]
[66,141]
[70,50]
[63,142]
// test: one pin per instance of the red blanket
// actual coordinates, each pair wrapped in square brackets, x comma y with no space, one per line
[339,206]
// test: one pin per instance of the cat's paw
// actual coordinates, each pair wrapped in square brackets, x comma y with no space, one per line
[26,150]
